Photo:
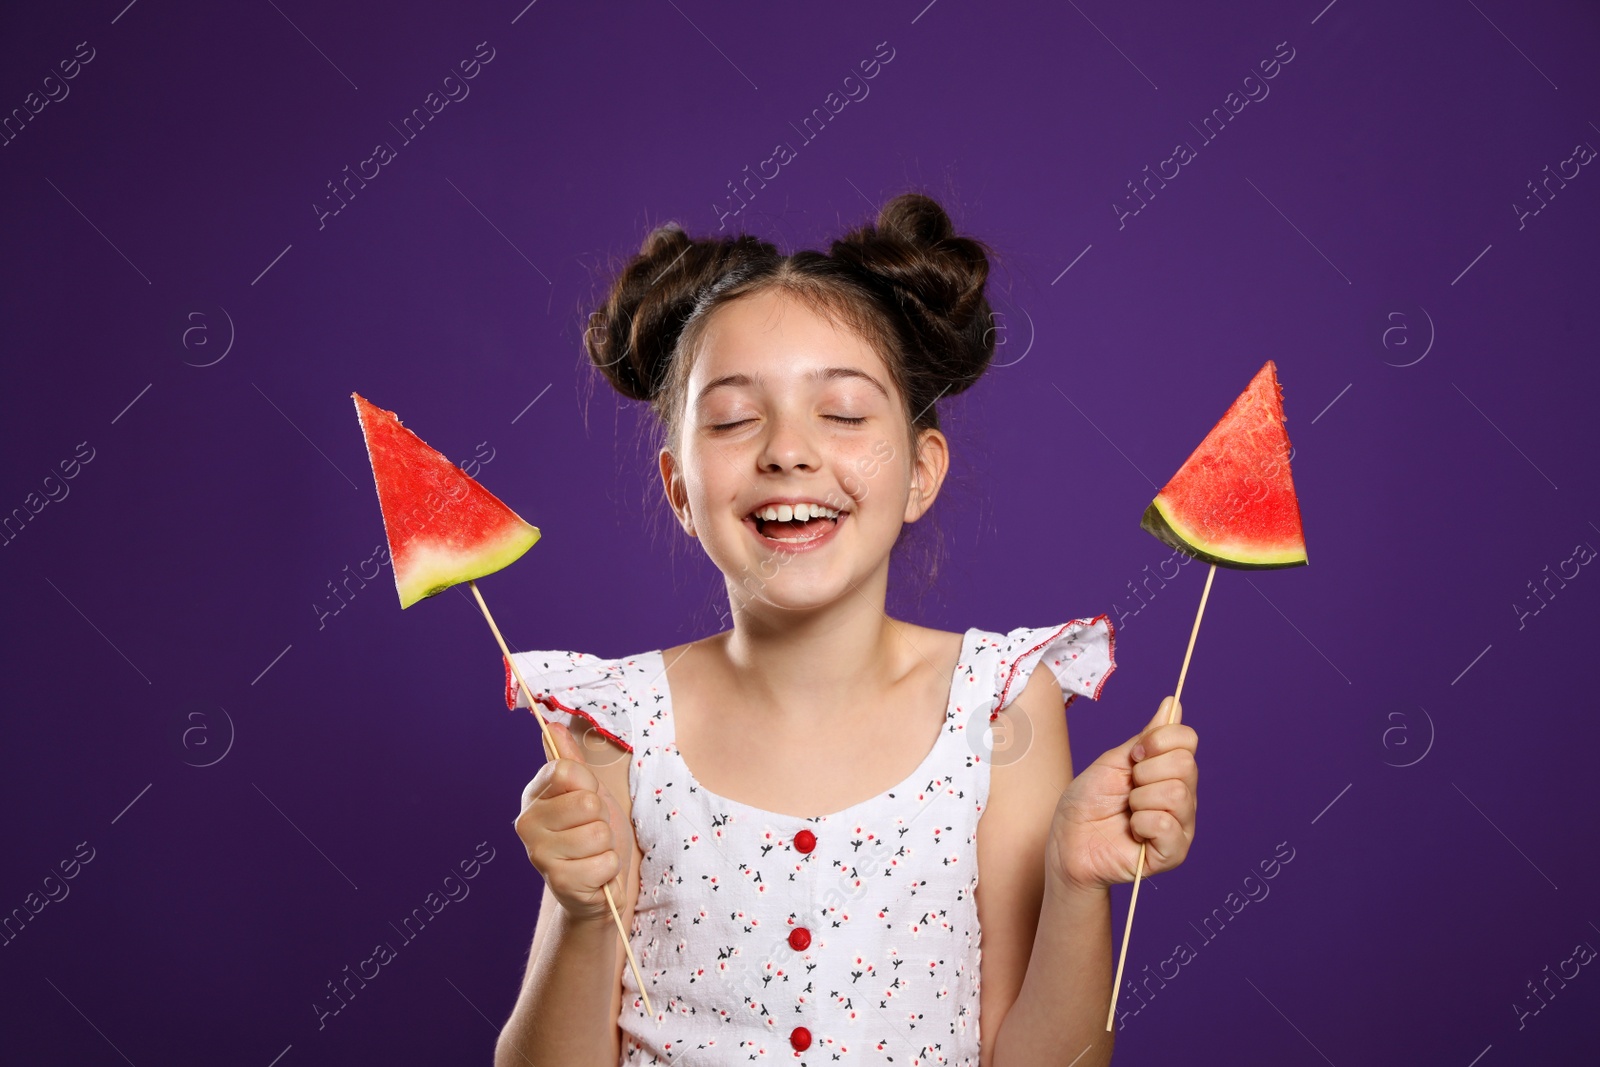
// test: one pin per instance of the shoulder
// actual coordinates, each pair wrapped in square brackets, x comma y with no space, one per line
[710,643]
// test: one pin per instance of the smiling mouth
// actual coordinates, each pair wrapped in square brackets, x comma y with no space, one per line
[794,531]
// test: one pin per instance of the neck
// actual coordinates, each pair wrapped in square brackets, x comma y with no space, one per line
[816,663]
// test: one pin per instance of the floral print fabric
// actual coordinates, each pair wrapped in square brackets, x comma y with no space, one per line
[851,937]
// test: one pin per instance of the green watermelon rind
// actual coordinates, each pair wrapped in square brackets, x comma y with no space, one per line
[425,578]
[1155,521]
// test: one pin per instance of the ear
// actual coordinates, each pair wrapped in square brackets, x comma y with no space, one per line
[928,468]
[677,495]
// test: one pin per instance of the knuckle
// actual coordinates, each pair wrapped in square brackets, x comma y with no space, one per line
[526,823]
[599,868]
[596,836]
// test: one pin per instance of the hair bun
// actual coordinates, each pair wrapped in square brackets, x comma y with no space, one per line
[937,278]
[633,336]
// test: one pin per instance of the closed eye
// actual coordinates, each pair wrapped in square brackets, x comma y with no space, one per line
[847,419]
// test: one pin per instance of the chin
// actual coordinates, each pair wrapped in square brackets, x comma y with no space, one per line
[775,583]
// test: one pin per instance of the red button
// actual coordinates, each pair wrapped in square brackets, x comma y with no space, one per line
[800,1038]
[799,939]
[805,841]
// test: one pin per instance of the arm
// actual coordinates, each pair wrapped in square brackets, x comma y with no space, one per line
[1046,967]
[1139,794]
[566,1012]
[574,964]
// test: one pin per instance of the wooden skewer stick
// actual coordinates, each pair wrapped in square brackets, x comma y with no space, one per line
[1138,872]
[550,743]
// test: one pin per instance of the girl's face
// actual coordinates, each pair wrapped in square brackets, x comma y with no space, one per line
[783,408]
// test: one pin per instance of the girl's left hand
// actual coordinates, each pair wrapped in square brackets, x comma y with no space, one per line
[1141,792]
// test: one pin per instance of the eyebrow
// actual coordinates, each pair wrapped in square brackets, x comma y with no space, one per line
[822,373]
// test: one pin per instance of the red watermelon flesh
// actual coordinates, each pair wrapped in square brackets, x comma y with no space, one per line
[443,527]
[1232,502]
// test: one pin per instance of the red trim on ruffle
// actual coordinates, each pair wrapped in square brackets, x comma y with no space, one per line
[1111,653]
[1016,664]
[555,705]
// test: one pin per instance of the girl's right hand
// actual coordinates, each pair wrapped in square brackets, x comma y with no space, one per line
[571,825]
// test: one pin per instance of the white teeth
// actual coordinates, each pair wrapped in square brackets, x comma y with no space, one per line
[795,512]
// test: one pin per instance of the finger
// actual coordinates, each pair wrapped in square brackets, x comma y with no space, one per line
[1166,843]
[564,776]
[567,746]
[599,870]
[1130,752]
[1161,739]
[1127,754]
[538,783]
[577,808]
[579,843]
[1179,764]
[1169,795]
[535,786]
[1164,711]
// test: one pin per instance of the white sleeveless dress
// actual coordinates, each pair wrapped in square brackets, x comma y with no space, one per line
[849,938]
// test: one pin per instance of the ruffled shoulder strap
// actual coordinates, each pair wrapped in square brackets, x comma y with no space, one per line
[571,685]
[1080,653]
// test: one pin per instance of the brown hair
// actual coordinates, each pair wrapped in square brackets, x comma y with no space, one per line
[907,284]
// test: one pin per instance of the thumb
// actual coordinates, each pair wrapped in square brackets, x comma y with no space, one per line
[567,746]
[1130,752]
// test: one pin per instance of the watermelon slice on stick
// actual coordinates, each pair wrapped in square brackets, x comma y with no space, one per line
[444,529]
[1232,504]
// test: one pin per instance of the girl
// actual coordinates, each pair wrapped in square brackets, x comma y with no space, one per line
[819,852]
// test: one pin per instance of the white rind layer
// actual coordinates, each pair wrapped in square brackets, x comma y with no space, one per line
[433,567]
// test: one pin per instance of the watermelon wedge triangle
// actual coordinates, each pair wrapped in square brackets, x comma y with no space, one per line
[1233,502]
[443,527]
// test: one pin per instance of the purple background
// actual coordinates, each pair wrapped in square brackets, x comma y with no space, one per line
[1356,218]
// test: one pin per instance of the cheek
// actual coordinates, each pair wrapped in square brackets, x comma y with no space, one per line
[875,468]
[711,480]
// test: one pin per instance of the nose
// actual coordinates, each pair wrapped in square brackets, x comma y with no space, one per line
[787,446]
